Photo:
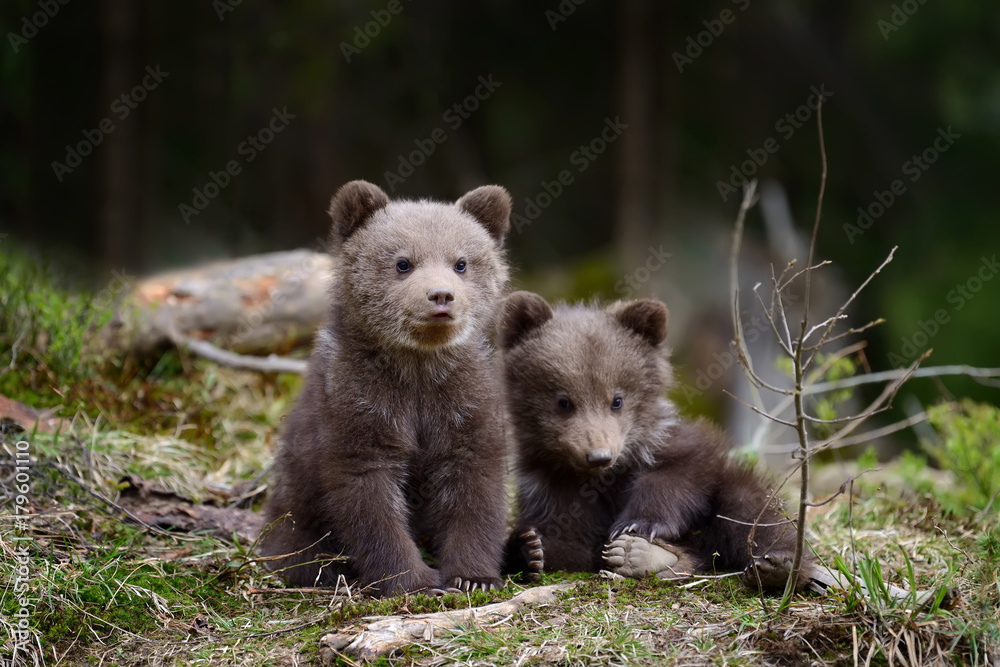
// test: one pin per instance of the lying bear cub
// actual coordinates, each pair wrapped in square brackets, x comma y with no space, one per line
[609,476]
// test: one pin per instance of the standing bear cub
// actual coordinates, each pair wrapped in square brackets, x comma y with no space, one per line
[397,434]
[608,475]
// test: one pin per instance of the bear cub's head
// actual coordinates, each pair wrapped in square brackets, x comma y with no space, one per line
[584,385]
[421,275]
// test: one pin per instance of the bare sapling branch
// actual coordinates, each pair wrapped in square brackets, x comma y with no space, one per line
[762,413]
[850,300]
[776,296]
[887,395]
[781,286]
[862,438]
[769,315]
[849,332]
[798,370]
[749,199]
[803,350]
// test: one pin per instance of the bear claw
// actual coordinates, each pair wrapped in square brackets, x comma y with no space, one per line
[531,547]
[463,585]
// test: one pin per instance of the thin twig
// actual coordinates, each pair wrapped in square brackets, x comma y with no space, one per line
[269,364]
[985,510]
[850,300]
[850,332]
[864,437]
[930,371]
[829,320]
[843,487]
[776,295]
[307,591]
[156,530]
[791,279]
[759,411]
[844,420]
[762,430]
[774,327]
[872,378]
[749,199]
[781,305]
[887,395]
[968,558]
[754,523]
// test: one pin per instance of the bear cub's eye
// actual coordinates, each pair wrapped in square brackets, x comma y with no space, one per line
[402,266]
[617,403]
[565,405]
[460,266]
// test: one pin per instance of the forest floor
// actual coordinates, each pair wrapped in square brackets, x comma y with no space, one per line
[111,563]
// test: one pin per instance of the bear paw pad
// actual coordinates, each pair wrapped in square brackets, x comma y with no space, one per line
[635,556]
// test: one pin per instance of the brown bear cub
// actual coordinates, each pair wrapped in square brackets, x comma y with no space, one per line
[609,476]
[397,434]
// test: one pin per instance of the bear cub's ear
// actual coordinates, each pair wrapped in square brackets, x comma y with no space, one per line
[646,317]
[522,312]
[490,205]
[353,205]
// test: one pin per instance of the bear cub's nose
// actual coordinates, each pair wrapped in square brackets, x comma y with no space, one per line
[442,296]
[599,458]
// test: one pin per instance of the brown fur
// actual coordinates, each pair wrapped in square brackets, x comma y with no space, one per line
[397,434]
[588,472]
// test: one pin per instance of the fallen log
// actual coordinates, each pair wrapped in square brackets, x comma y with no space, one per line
[394,632]
[259,304]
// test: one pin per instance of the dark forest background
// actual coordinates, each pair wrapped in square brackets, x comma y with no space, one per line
[702,87]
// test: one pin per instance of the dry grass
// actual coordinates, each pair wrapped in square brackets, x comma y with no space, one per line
[106,590]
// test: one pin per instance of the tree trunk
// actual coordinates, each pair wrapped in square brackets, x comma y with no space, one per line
[122,193]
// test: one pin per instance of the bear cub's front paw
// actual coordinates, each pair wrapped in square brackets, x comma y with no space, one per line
[648,527]
[637,557]
[769,571]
